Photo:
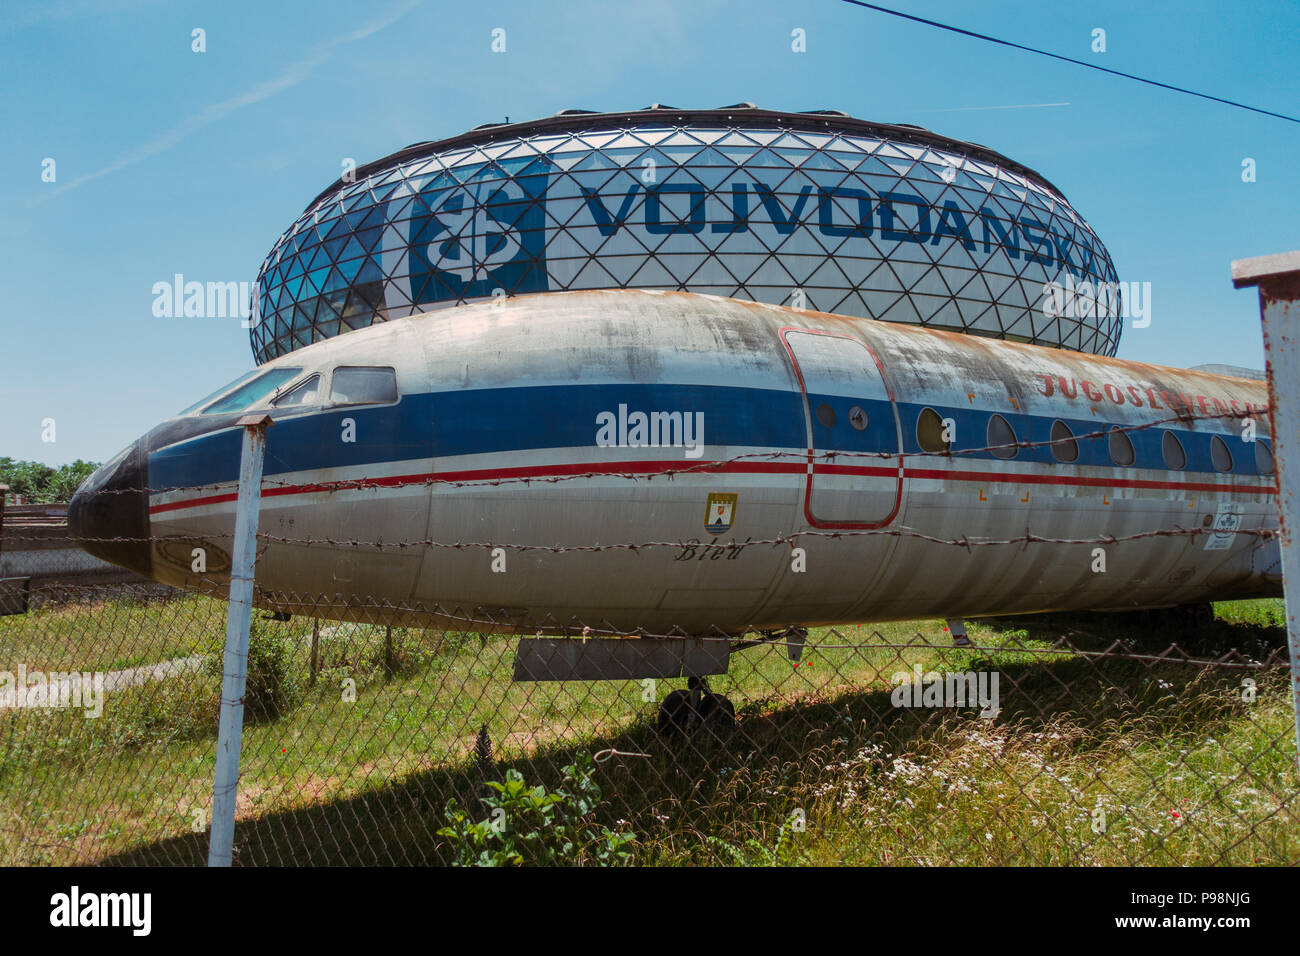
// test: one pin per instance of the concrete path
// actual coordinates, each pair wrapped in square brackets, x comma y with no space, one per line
[82,687]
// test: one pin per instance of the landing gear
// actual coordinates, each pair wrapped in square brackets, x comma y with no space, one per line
[957,628]
[1201,615]
[684,712]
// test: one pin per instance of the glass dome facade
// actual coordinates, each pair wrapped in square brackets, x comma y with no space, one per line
[816,210]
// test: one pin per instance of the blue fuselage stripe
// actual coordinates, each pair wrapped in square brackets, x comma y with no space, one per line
[450,424]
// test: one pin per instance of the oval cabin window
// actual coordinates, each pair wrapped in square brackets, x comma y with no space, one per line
[1002,438]
[1064,446]
[1219,454]
[1121,448]
[929,431]
[1172,451]
[1263,457]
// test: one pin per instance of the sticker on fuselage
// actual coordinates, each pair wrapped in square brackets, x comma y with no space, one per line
[1226,525]
[720,513]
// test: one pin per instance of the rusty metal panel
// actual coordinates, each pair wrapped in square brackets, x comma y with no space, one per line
[615,658]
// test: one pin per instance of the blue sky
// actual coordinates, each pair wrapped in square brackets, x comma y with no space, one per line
[171,161]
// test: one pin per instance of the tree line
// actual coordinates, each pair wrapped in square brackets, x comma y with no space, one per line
[39,483]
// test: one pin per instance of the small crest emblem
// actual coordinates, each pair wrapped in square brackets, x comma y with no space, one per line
[1227,522]
[720,513]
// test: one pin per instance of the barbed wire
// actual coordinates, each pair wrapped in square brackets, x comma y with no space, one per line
[964,541]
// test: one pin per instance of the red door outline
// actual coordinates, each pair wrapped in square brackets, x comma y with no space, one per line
[897,471]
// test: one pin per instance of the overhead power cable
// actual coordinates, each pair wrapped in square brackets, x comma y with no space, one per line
[1068,59]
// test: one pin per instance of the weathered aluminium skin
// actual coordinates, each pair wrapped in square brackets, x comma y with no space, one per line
[507,391]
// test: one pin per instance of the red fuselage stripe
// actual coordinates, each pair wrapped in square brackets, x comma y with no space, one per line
[743,467]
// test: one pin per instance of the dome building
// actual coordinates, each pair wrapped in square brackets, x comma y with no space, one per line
[816,209]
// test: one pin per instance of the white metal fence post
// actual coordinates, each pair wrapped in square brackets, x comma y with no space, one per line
[230,730]
[1278,278]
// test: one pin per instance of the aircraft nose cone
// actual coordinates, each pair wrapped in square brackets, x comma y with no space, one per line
[109,514]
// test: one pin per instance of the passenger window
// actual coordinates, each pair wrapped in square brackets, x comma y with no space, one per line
[1219,454]
[1002,438]
[304,393]
[929,431]
[1263,457]
[1064,447]
[1172,450]
[1121,448]
[357,385]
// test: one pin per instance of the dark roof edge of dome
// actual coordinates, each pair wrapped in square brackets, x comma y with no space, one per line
[813,121]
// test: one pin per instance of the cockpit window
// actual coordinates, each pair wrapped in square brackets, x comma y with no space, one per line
[253,390]
[358,385]
[304,393]
[218,393]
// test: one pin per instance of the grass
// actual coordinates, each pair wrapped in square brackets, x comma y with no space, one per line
[357,765]
[1264,614]
[106,631]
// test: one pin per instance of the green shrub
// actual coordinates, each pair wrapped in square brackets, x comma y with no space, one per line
[753,852]
[275,677]
[531,827]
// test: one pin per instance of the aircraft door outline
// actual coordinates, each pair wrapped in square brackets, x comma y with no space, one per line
[857,492]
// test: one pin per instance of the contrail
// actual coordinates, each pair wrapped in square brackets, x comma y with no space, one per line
[291,76]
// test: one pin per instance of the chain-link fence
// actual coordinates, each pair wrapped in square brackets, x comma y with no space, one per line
[1101,739]
[38,555]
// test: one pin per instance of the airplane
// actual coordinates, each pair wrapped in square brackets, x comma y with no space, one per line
[655,463]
